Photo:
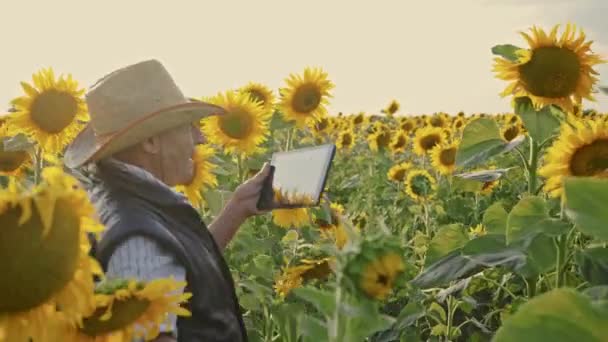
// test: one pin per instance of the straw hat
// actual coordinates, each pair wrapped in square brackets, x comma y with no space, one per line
[130,105]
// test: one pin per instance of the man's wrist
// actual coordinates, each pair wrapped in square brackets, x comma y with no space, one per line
[235,211]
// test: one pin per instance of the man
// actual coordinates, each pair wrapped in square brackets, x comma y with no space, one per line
[137,146]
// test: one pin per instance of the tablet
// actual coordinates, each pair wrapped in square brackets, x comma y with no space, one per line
[297,178]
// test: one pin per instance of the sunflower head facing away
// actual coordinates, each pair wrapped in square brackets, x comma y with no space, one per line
[13,163]
[554,70]
[51,112]
[376,268]
[392,108]
[580,151]
[260,93]
[306,96]
[427,138]
[127,309]
[242,128]
[443,157]
[293,277]
[420,185]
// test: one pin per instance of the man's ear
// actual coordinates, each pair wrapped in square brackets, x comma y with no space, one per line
[151,145]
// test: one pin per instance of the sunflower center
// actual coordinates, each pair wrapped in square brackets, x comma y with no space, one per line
[429,141]
[393,108]
[35,267]
[257,96]
[447,156]
[322,124]
[399,175]
[407,126]
[236,124]
[319,271]
[11,160]
[383,279]
[383,139]
[511,133]
[347,139]
[421,185]
[124,312]
[358,119]
[400,142]
[53,110]
[591,159]
[306,98]
[552,72]
[437,122]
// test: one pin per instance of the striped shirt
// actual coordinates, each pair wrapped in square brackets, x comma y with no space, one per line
[144,259]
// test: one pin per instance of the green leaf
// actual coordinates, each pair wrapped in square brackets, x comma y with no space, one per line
[593,263]
[559,315]
[438,309]
[324,301]
[287,318]
[541,255]
[277,122]
[495,219]
[249,301]
[19,142]
[480,141]
[313,330]
[530,216]
[507,51]
[407,317]
[447,239]
[490,243]
[586,200]
[540,125]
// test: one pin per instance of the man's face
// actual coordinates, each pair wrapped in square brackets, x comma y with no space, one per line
[177,148]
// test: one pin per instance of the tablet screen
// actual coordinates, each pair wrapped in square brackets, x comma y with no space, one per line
[299,175]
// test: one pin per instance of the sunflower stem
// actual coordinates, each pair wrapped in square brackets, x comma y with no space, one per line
[561,243]
[533,164]
[531,286]
[334,327]
[239,164]
[38,166]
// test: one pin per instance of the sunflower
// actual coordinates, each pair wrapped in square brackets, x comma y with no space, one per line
[407,124]
[335,229]
[260,93]
[399,142]
[288,218]
[293,277]
[420,185]
[320,126]
[360,119]
[306,96]
[427,138]
[52,111]
[392,108]
[510,132]
[438,120]
[443,157]
[397,172]
[488,187]
[477,231]
[379,140]
[553,71]
[346,140]
[127,309]
[580,151]
[242,128]
[376,267]
[203,177]
[44,250]
[458,124]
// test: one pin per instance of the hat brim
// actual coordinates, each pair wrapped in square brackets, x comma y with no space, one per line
[88,147]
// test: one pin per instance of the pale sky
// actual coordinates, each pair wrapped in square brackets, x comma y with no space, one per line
[429,55]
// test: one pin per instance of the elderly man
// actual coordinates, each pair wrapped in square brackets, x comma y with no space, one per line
[139,144]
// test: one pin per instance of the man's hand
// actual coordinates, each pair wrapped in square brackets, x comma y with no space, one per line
[245,198]
[241,206]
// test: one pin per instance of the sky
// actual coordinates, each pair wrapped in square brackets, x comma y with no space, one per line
[431,55]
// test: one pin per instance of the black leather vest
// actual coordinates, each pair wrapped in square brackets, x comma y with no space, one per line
[130,205]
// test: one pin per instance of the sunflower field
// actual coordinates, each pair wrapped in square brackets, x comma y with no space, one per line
[432,227]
